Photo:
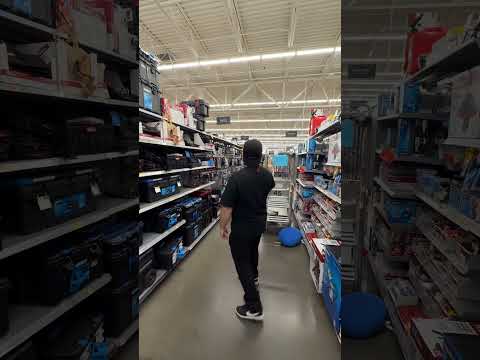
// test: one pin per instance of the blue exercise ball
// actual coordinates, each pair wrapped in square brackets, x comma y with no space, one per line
[362,315]
[290,237]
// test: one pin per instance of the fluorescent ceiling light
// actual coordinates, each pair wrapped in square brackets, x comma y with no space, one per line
[244,59]
[319,101]
[214,62]
[260,121]
[278,55]
[260,129]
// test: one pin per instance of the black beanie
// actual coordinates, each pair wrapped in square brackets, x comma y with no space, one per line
[252,153]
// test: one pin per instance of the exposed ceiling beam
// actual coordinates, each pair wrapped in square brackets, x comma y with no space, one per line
[371,60]
[213,97]
[374,37]
[277,79]
[243,93]
[270,97]
[235,22]
[417,5]
[292,28]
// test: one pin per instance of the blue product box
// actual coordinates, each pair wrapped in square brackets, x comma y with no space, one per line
[405,132]
[312,145]
[400,211]
[309,162]
[411,98]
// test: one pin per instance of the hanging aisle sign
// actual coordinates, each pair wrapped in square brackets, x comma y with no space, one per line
[291,134]
[362,71]
[244,137]
[223,120]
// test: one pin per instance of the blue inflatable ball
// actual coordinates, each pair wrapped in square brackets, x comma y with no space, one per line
[363,315]
[290,237]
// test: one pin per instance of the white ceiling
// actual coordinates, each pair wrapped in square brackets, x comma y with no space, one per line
[182,31]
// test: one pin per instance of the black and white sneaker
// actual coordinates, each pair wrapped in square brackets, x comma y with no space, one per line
[243,312]
[257,283]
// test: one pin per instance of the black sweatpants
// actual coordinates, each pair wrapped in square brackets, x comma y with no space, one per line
[244,241]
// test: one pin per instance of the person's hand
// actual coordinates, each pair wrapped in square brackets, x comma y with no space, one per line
[224,233]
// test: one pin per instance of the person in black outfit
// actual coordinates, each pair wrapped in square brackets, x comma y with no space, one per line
[244,208]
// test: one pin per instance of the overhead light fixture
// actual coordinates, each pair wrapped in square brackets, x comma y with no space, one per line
[245,59]
[319,101]
[260,129]
[260,121]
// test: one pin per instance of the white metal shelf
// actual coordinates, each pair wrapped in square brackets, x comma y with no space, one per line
[153,141]
[22,165]
[395,193]
[127,334]
[151,239]
[463,142]
[159,117]
[329,194]
[176,171]
[451,214]
[21,89]
[415,116]
[333,128]
[162,274]
[14,244]
[202,234]
[149,206]
[308,186]
[27,320]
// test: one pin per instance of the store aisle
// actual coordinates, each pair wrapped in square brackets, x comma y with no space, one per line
[191,316]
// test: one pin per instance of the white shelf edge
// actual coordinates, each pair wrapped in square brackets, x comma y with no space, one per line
[305,185]
[15,88]
[162,274]
[202,235]
[121,340]
[393,193]
[176,171]
[329,194]
[44,315]
[156,238]
[27,22]
[158,116]
[22,165]
[149,206]
[24,242]
[451,214]
[153,141]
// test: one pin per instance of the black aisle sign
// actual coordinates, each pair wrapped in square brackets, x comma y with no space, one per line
[223,120]
[244,137]
[362,71]
[291,134]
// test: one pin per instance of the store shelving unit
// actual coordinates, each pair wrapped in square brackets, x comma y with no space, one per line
[186,191]
[152,239]
[163,274]
[448,272]
[27,320]
[175,171]
[325,216]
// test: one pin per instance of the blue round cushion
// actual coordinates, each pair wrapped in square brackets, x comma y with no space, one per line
[362,314]
[290,237]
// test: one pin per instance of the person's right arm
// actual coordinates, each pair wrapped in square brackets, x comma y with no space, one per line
[229,199]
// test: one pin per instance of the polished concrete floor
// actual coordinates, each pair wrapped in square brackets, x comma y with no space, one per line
[191,315]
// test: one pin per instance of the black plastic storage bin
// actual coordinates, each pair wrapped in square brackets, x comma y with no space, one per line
[49,276]
[147,273]
[191,179]
[200,124]
[201,108]
[191,233]
[176,161]
[125,131]
[4,320]
[86,136]
[5,144]
[191,211]
[73,339]
[26,351]
[156,189]
[166,253]
[121,308]
[37,203]
[164,220]
[121,243]
[120,177]
[38,10]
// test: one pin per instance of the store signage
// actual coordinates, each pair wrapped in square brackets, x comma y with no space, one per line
[223,120]
[234,139]
[244,137]
[291,134]
[362,71]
